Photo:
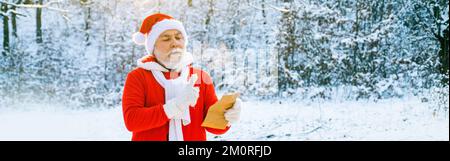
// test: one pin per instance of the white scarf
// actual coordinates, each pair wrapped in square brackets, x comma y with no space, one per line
[172,87]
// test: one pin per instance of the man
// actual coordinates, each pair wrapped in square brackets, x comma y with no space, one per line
[165,98]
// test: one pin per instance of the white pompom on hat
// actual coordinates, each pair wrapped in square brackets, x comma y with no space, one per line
[139,38]
[153,26]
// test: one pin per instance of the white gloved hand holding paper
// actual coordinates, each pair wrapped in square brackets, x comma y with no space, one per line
[233,114]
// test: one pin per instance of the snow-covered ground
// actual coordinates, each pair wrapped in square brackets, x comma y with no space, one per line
[393,119]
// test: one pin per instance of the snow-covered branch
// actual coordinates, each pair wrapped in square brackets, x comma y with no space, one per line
[11,11]
[46,6]
[278,8]
[271,6]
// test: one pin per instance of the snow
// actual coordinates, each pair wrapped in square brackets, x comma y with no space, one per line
[394,119]
[346,43]
[287,119]
[51,123]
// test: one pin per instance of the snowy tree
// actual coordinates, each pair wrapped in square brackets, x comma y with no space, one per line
[79,52]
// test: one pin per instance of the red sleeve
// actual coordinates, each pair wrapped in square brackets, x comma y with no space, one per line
[137,117]
[210,99]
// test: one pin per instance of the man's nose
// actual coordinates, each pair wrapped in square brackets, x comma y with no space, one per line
[177,43]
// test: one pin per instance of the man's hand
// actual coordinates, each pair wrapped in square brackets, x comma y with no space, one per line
[233,114]
[190,93]
[188,96]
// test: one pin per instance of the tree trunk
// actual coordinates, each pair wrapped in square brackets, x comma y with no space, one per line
[353,64]
[87,25]
[39,23]
[267,72]
[443,55]
[6,48]
[13,19]
[286,48]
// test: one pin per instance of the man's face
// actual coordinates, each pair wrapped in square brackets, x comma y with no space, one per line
[169,48]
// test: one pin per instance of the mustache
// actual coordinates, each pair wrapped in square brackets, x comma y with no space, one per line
[176,51]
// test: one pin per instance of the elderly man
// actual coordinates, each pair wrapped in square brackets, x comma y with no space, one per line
[165,98]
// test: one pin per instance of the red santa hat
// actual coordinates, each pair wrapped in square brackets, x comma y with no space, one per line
[153,26]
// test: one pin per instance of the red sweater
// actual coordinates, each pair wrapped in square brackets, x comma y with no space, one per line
[143,100]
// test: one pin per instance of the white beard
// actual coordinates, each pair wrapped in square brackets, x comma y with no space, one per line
[175,57]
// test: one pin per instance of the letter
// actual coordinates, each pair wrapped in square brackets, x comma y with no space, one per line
[208,152]
[258,151]
[270,150]
[191,151]
[235,151]
[250,150]
[181,152]
[243,150]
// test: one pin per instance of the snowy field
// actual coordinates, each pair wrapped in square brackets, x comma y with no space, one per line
[393,119]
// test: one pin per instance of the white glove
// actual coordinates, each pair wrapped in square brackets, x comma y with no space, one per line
[188,96]
[233,114]
[173,109]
